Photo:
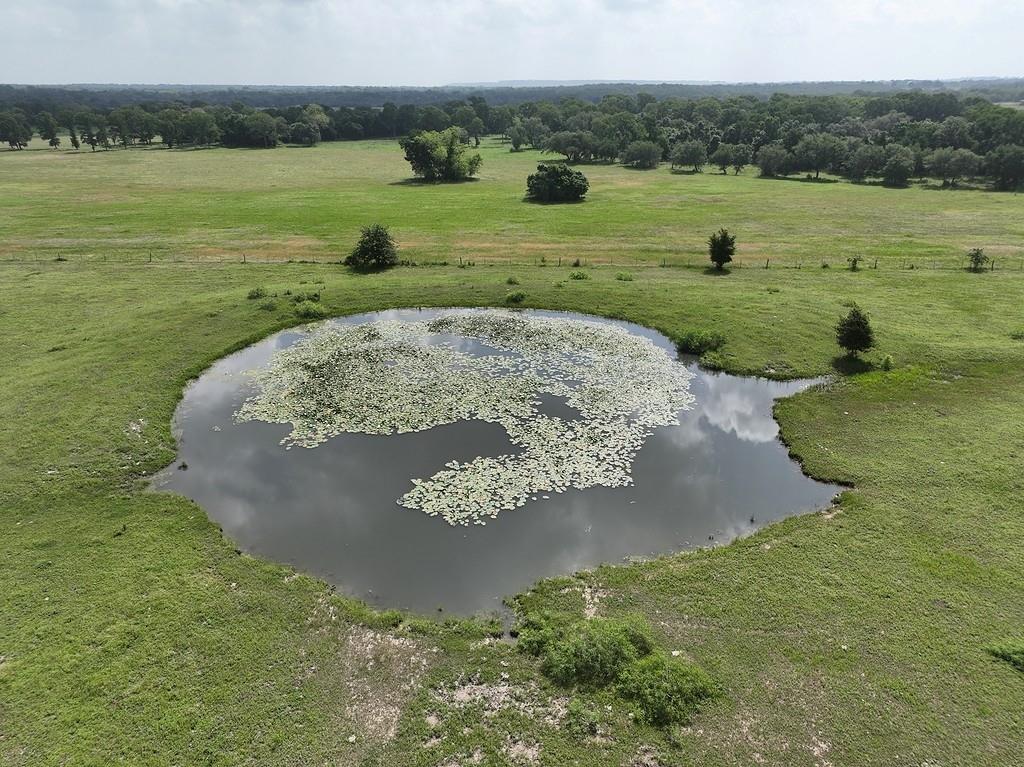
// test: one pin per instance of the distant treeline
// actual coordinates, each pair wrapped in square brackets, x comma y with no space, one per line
[893,137]
[38,98]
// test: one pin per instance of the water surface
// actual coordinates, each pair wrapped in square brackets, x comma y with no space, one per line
[331,511]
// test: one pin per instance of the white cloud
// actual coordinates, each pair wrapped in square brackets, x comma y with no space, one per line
[428,42]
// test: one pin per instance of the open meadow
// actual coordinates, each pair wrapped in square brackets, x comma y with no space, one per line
[133,632]
[308,204]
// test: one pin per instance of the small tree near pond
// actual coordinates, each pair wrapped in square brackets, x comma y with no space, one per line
[375,250]
[853,333]
[556,183]
[721,248]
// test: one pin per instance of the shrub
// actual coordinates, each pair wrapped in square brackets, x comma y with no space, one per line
[642,154]
[977,259]
[1011,652]
[700,342]
[887,362]
[310,295]
[580,720]
[665,690]
[578,275]
[624,277]
[515,297]
[576,262]
[512,281]
[854,262]
[594,652]
[556,183]
[536,633]
[721,248]
[256,293]
[854,333]
[375,250]
[268,306]
[307,310]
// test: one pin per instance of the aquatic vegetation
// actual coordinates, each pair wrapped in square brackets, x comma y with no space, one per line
[391,377]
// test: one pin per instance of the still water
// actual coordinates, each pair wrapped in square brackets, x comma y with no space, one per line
[332,511]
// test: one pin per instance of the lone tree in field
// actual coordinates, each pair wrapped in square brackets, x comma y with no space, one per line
[556,183]
[721,248]
[440,156]
[977,259]
[375,250]
[854,333]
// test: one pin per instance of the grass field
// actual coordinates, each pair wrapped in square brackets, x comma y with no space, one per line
[309,204]
[132,633]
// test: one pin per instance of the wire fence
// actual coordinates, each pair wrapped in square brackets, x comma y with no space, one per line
[1011,263]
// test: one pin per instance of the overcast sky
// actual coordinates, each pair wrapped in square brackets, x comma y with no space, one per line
[433,42]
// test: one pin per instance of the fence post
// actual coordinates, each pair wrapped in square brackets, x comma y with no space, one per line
[766,263]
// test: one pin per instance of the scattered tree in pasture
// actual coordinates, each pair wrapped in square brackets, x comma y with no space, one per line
[818,152]
[721,248]
[689,154]
[866,160]
[48,127]
[575,146]
[951,165]
[899,165]
[303,133]
[854,333]
[375,250]
[1005,164]
[517,134]
[642,154]
[14,129]
[440,156]
[73,137]
[774,160]
[556,183]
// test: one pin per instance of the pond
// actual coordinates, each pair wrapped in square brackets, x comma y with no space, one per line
[445,459]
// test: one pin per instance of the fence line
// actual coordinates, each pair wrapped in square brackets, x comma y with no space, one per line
[882,263]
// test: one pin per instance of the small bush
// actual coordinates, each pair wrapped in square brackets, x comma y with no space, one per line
[512,281]
[256,293]
[515,297]
[624,277]
[581,721]
[375,250]
[887,362]
[578,275]
[700,342]
[977,259]
[576,262]
[536,633]
[311,295]
[1011,652]
[721,248]
[306,310]
[1017,335]
[854,263]
[268,306]
[665,690]
[595,652]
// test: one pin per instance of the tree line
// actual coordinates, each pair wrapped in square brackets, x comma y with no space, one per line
[893,137]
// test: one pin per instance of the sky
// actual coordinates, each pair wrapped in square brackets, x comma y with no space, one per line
[435,42]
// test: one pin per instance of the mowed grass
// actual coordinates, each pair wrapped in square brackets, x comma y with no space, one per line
[131,632]
[308,203]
